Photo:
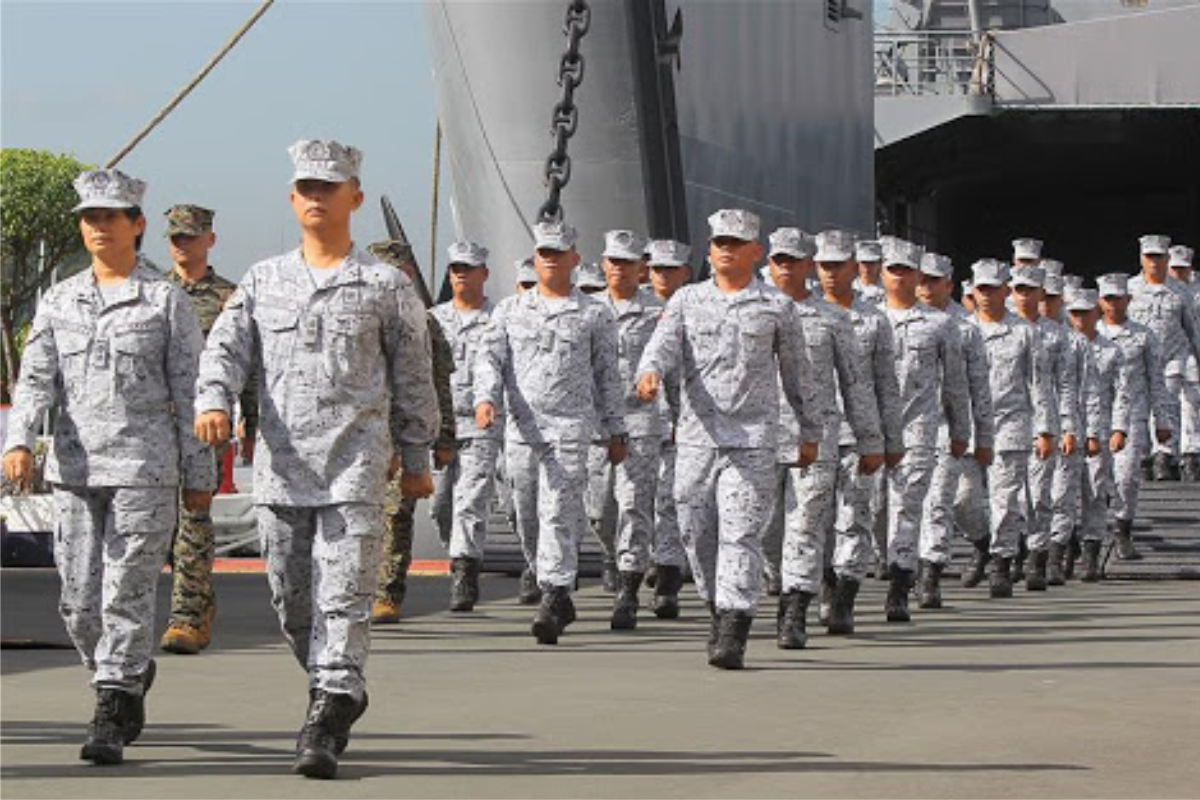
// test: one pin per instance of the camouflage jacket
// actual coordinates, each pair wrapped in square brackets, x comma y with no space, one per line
[123,377]
[932,375]
[208,296]
[443,367]
[345,377]
[464,336]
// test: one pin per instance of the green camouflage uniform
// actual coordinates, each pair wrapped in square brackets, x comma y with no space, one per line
[398,511]
[195,544]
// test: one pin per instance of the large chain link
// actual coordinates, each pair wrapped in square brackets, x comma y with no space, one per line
[565,120]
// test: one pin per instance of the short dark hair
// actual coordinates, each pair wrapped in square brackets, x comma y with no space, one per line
[133,213]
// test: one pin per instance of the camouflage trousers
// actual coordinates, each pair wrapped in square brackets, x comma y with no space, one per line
[907,486]
[192,554]
[972,514]
[397,547]
[462,500]
[1041,500]
[548,485]
[1007,491]
[109,546]
[808,507]
[723,496]
[1189,440]
[620,501]
[854,522]
[1127,473]
[1175,386]
[668,547]
[937,518]
[1095,487]
[321,566]
[1065,494]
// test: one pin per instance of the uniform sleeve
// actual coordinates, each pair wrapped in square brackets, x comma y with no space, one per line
[796,377]
[858,390]
[492,359]
[443,366]
[980,387]
[37,387]
[1096,410]
[229,356]
[1191,325]
[1068,387]
[414,416]
[887,388]
[1045,412]
[1119,394]
[606,373]
[956,397]
[248,402]
[1160,400]
[663,353]
[186,342]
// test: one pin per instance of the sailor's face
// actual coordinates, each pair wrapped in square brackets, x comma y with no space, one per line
[319,203]
[1084,321]
[467,279]
[553,266]
[935,291]
[901,279]
[1183,274]
[622,274]
[109,230]
[187,251]
[1052,305]
[1027,299]
[990,299]
[733,257]
[788,272]
[869,271]
[1026,262]
[1114,307]
[667,280]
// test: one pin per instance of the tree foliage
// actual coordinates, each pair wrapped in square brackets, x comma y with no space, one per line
[36,198]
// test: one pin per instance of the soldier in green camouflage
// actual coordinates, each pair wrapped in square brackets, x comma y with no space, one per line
[398,510]
[193,601]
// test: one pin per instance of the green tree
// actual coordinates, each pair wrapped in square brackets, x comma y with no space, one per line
[36,198]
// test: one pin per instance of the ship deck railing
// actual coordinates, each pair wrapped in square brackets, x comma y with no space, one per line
[933,63]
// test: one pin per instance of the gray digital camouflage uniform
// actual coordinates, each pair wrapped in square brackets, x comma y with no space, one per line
[345,381]
[1142,358]
[1165,309]
[122,375]
[1068,473]
[722,346]
[1064,366]
[554,364]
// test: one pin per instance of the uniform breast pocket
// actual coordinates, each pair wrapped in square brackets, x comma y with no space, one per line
[72,346]
[138,364]
[277,332]
[757,339]
[351,347]
[705,343]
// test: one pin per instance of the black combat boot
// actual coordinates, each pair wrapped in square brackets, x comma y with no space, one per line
[931,585]
[896,605]
[554,614]
[625,606]
[791,633]
[137,707]
[841,615]
[463,590]
[651,575]
[1089,567]
[773,580]
[733,632]
[1164,467]
[1148,469]
[1054,565]
[1123,532]
[609,579]
[1074,550]
[1018,563]
[666,592]
[327,725]
[977,568]
[105,744]
[1035,579]
[1189,468]
[828,581]
[530,594]
[1001,582]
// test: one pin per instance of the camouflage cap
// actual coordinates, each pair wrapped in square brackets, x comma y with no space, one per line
[624,245]
[1052,266]
[1114,284]
[668,253]
[989,272]
[108,188]
[469,253]
[1072,282]
[392,251]
[188,220]
[526,273]
[898,252]
[1027,248]
[791,242]
[936,265]
[868,250]
[734,223]
[554,236]
[590,276]
[1155,244]
[1082,299]
[324,160]
[1181,256]
[1028,276]
[1053,284]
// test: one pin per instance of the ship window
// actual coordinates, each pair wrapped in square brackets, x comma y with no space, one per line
[833,14]
[1134,3]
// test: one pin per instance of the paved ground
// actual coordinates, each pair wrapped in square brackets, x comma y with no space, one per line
[1088,691]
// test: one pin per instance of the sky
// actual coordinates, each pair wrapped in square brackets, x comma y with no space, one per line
[82,78]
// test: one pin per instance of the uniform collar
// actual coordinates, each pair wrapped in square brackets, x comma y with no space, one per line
[208,277]
[87,289]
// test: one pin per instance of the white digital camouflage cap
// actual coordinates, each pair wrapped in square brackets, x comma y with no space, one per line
[989,272]
[1052,266]
[590,276]
[868,250]
[1072,282]
[668,253]
[324,160]
[903,253]
[1155,244]
[936,265]
[554,236]
[1181,256]
[735,223]
[526,273]
[108,188]
[1028,276]
[1081,299]
[835,245]
[1114,284]
[791,242]
[624,245]
[1027,248]
[469,253]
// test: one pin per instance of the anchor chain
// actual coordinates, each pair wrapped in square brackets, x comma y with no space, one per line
[565,119]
